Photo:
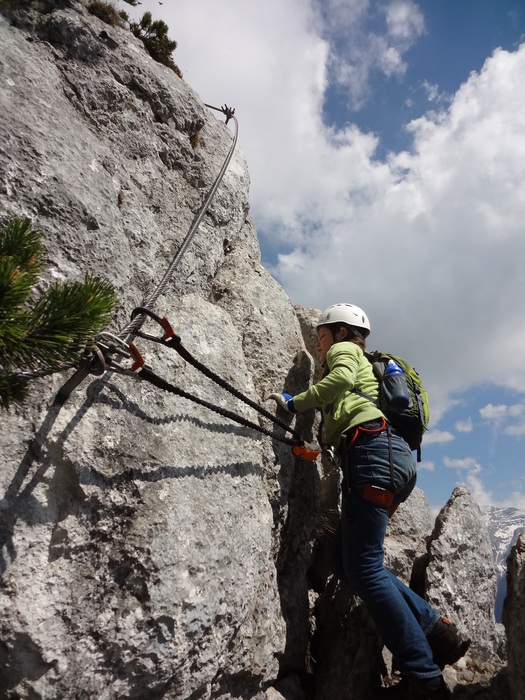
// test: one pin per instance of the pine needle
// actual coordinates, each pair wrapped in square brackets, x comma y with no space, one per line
[42,335]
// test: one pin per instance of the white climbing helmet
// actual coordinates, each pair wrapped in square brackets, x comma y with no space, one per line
[345,313]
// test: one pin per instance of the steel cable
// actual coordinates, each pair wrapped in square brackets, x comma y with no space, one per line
[130,330]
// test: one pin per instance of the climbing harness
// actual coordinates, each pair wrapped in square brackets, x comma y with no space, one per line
[378,495]
[364,429]
[110,345]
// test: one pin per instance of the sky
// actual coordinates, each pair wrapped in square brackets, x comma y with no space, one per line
[385,142]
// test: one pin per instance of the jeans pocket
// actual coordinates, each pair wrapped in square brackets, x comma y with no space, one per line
[370,464]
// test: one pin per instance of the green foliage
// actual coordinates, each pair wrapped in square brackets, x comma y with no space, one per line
[154,35]
[106,12]
[42,334]
[13,389]
[20,264]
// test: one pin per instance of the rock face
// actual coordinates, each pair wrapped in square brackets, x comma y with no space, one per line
[504,526]
[461,581]
[514,618]
[142,535]
[153,548]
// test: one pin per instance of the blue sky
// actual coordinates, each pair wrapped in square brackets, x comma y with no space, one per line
[452,38]
[386,148]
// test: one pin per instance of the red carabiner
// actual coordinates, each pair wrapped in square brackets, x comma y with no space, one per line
[307,451]
[168,330]
[139,360]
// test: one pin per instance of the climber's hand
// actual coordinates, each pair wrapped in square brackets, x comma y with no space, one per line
[284,401]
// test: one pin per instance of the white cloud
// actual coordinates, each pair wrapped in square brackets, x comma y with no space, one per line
[425,466]
[464,426]
[515,500]
[470,471]
[430,242]
[471,476]
[485,497]
[466,464]
[501,417]
[441,231]
[360,49]
[340,16]
[516,410]
[434,94]
[437,436]
[493,414]
[404,20]
[516,430]
[477,488]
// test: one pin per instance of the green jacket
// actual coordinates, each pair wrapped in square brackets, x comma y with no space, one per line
[342,409]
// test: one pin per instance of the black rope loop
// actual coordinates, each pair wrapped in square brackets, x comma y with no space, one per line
[174,342]
[148,375]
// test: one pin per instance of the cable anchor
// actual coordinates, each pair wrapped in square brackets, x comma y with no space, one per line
[93,364]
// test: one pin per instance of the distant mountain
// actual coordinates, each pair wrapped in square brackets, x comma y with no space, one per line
[504,526]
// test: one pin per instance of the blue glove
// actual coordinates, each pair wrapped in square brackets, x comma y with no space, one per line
[284,401]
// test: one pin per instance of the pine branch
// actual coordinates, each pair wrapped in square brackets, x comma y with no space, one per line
[22,243]
[13,389]
[15,288]
[67,317]
[20,265]
[43,335]
[61,326]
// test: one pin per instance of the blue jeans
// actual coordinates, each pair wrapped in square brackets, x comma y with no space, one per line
[403,619]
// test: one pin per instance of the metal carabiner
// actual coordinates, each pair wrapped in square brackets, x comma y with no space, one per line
[163,322]
[119,344]
[125,349]
[333,455]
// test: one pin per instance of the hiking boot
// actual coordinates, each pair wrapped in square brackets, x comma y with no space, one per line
[417,689]
[447,645]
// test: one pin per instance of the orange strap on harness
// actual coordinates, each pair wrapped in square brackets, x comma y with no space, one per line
[361,429]
[379,496]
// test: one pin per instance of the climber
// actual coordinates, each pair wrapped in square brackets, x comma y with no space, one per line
[421,642]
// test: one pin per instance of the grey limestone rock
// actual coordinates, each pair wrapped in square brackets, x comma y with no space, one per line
[153,548]
[513,618]
[461,582]
[141,532]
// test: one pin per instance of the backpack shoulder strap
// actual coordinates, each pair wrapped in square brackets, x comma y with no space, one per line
[365,396]
[371,357]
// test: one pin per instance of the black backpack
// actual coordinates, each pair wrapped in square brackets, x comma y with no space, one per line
[410,421]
